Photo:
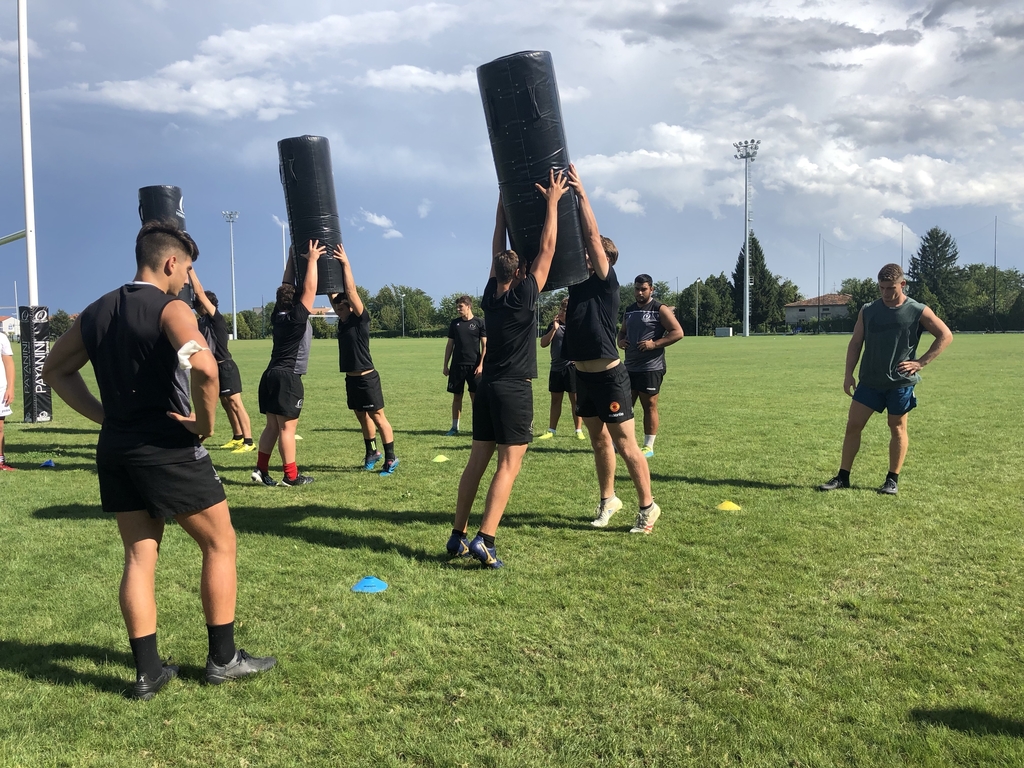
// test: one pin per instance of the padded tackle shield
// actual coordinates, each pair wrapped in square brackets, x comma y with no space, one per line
[35,346]
[167,203]
[524,124]
[308,181]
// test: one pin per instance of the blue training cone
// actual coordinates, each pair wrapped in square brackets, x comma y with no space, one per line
[370,584]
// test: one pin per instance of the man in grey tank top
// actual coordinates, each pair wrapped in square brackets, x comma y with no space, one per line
[888,331]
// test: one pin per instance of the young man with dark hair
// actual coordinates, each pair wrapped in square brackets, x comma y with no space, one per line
[888,331]
[362,382]
[602,384]
[149,459]
[215,330]
[6,393]
[648,326]
[503,408]
[281,390]
[562,378]
[466,349]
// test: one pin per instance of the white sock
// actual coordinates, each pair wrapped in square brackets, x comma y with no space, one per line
[455,423]
[649,441]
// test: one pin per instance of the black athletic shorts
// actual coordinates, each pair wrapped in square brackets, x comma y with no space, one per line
[281,393]
[646,382]
[164,490]
[563,380]
[230,378]
[503,412]
[461,377]
[364,392]
[604,394]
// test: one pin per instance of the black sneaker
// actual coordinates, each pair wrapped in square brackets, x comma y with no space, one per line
[834,484]
[299,480]
[259,476]
[889,487]
[243,665]
[145,689]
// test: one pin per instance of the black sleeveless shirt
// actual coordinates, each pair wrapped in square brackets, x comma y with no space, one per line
[592,319]
[139,379]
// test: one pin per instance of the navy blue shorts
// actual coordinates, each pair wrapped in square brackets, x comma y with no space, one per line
[896,401]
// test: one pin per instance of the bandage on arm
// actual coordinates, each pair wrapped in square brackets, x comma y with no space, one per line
[188,349]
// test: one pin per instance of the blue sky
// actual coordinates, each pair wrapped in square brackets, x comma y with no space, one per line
[872,117]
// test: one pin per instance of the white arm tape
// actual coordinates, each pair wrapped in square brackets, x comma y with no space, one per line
[188,349]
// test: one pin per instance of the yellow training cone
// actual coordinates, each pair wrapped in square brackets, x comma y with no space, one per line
[438,459]
[728,506]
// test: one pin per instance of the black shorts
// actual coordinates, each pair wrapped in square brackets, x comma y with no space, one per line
[164,490]
[364,392]
[604,394]
[503,412]
[461,377]
[563,380]
[230,378]
[281,393]
[646,382]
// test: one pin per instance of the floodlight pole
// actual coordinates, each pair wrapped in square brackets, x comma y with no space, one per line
[26,154]
[402,297]
[284,246]
[696,310]
[747,152]
[231,217]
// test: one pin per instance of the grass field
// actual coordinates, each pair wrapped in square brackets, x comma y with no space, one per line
[804,630]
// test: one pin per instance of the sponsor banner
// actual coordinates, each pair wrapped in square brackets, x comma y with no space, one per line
[35,346]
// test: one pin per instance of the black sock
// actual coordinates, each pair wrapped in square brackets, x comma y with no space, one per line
[236,437]
[488,540]
[894,476]
[644,509]
[371,445]
[844,475]
[248,441]
[389,451]
[147,660]
[460,534]
[222,642]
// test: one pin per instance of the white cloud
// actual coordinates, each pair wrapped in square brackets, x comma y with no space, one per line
[66,26]
[381,221]
[569,95]
[404,77]
[10,48]
[76,47]
[239,72]
[423,209]
[626,200]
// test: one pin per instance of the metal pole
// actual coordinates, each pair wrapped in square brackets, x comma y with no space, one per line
[11,238]
[901,246]
[402,297]
[284,249]
[995,271]
[696,311]
[746,246]
[230,217]
[26,155]
[818,328]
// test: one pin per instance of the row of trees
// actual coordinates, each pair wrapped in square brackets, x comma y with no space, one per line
[968,298]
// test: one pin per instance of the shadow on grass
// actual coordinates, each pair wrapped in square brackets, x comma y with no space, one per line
[725,481]
[53,663]
[62,430]
[969,720]
[82,451]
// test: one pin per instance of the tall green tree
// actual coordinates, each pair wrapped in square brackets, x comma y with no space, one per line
[446,311]
[934,267]
[861,292]
[765,310]
[60,322]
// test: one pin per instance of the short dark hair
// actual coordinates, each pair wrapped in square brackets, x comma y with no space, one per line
[893,272]
[641,279]
[610,250]
[285,297]
[464,299]
[156,237]
[213,299]
[505,265]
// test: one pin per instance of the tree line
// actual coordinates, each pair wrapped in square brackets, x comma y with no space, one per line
[974,297]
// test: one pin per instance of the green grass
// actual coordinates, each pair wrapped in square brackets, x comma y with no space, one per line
[805,630]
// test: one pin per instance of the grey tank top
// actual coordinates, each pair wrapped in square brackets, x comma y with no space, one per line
[891,335]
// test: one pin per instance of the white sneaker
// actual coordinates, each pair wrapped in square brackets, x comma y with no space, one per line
[645,520]
[604,512]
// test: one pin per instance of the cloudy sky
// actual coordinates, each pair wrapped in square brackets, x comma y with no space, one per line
[874,117]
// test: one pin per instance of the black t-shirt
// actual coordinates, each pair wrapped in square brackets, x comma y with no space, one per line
[467,335]
[591,319]
[511,331]
[215,330]
[354,343]
[139,379]
[292,335]
[558,363]
[644,324]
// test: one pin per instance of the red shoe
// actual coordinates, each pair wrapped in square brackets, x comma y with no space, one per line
[4,466]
